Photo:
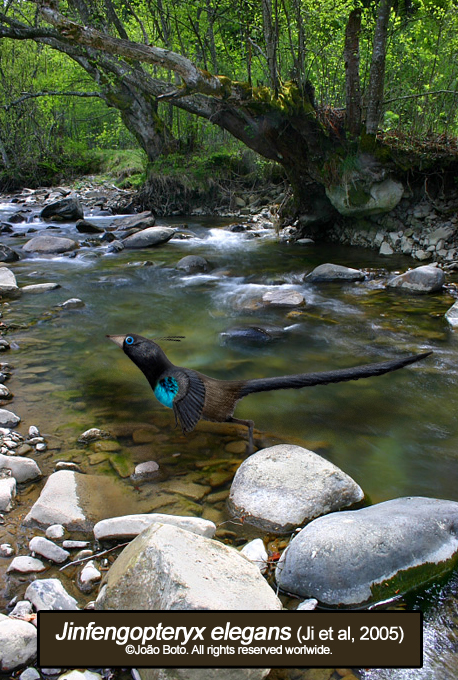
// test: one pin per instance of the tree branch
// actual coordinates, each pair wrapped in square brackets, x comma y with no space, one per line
[32,95]
[417,96]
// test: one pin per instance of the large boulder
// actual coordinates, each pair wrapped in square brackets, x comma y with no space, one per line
[193,264]
[335,272]
[424,279]
[50,245]
[168,568]
[65,210]
[8,283]
[360,200]
[369,555]
[153,236]
[285,486]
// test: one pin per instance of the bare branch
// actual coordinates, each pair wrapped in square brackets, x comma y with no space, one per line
[417,96]
[33,95]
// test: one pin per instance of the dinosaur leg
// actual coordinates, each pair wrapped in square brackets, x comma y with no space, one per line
[250,425]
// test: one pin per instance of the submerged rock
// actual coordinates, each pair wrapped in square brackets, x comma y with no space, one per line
[252,335]
[334,272]
[7,254]
[369,555]
[283,298]
[168,568]
[424,279]
[138,221]
[153,236]
[40,287]
[49,245]
[86,227]
[284,486]
[66,210]
[193,264]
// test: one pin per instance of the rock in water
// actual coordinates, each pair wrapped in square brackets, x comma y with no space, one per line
[334,272]
[8,282]
[452,315]
[66,210]
[50,245]
[153,236]
[86,227]
[369,555]
[424,279]
[168,568]
[380,197]
[193,264]
[284,486]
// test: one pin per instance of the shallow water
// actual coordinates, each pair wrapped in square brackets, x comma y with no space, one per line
[395,435]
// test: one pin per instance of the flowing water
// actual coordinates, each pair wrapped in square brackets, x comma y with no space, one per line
[396,435]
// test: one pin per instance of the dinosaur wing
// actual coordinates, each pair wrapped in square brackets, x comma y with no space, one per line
[189,401]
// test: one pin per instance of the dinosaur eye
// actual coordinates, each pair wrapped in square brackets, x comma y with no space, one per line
[129,340]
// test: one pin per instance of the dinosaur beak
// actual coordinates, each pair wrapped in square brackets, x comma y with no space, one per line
[117,339]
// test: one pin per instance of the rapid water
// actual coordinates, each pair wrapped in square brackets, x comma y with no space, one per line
[396,435]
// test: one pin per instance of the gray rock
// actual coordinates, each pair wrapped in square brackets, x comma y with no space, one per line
[422,255]
[153,236]
[146,471]
[18,643]
[75,545]
[86,227]
[46,548]
[193,264]
[93,435]
[8,282]
[369,555]
[139,221]
[6,550]
[440,234]
[55,531]
[22,469]
[72,303]
[283,298]
[80,675]
[452,315]
[4,392]
[30,674]
[256,552]
[22,610]
[7,493]
[130,526]
[424,279]
[381,197]
[307,605]
[49,245]
[7,254]
[168,568]
[334,272]
[40,287]
[66,210]
[26,565]
[49,593]
[284,486]
[386,249]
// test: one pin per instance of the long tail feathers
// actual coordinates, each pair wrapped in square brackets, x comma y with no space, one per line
[308,379]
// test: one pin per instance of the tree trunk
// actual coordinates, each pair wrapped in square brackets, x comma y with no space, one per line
[377,71]
[270,38]
[352,81]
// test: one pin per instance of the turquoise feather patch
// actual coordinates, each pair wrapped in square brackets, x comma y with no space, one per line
[166,391]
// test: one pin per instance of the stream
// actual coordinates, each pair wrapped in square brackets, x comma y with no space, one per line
[396,435]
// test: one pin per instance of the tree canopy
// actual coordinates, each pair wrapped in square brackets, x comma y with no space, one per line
[303,83]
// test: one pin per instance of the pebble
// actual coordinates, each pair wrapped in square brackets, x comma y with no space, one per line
[55,531]
[18,643]
[48,549]
[8,418]
[26,565]
[30,674]
[21,468]
[22,610]
[88,577]
[72,303]
[6,550]
[34,431]
[70,544]
[256,552]
[7,493]
[92,435]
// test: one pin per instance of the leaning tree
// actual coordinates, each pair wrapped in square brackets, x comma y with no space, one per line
[337,150]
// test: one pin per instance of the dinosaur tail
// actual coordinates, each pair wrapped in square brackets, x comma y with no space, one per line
[308,379]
